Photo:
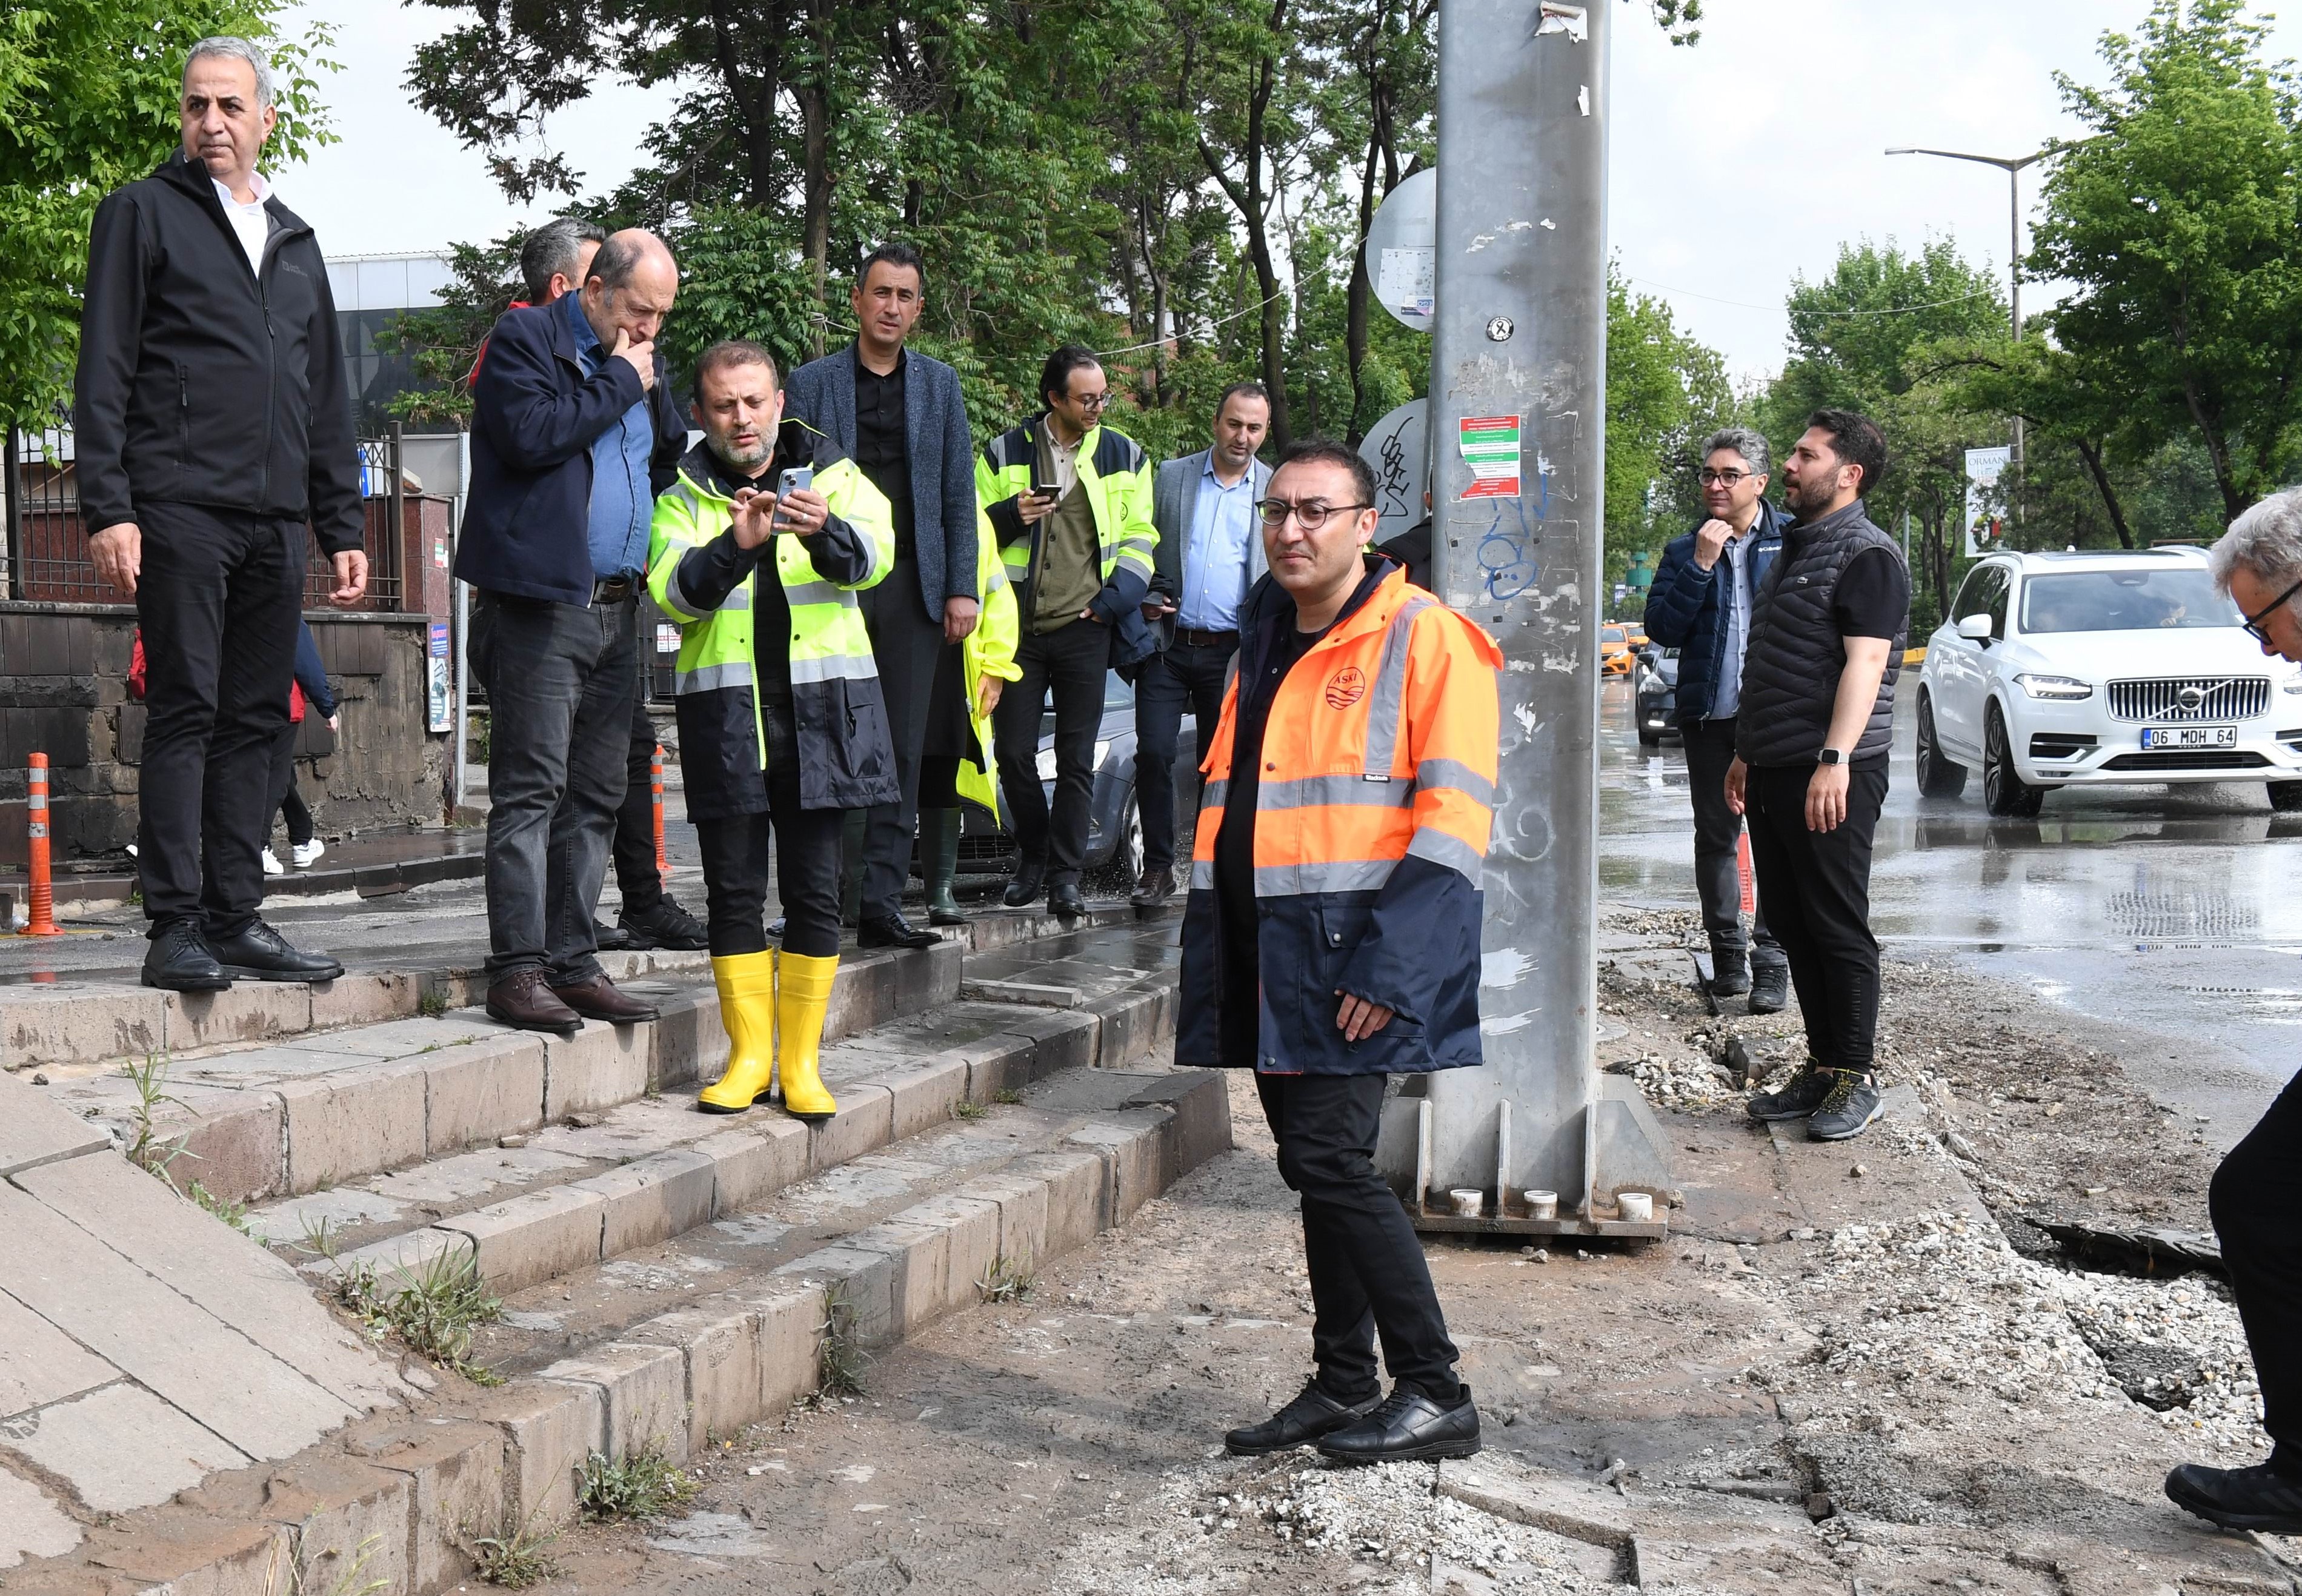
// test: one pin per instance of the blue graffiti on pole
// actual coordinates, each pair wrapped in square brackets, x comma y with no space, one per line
[1505,552]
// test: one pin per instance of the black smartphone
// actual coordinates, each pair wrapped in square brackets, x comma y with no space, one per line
[1043,476]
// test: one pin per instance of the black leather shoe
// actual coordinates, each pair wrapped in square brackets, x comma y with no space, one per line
[1066,902]
[1304,1420]
[178,961]
[1409,1427]
[260,953]
[1771,986]
[1024,889]
[1155,889]
[891,930]
[667,925]
[775,928]
[2239,1499]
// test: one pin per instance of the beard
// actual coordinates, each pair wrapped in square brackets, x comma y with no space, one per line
[747,458]
[1807,498]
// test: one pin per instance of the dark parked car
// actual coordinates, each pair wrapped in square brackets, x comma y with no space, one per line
[1654,686]
[1114,841]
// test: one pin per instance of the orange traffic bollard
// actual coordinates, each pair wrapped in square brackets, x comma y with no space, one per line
[35,806]
[662,865]
[1742,869]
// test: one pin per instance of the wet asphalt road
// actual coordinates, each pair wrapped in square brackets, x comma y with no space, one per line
[2171,912]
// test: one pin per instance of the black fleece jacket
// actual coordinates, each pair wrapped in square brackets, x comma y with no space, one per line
[201,382]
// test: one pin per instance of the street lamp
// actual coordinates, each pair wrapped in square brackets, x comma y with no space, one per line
[2011,166]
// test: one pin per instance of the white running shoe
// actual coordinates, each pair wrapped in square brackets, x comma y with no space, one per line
[304,854]
[272,866]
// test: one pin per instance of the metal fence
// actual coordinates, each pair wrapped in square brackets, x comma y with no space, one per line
[47,555]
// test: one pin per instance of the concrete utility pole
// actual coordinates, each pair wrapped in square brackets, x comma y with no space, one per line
[1517,429]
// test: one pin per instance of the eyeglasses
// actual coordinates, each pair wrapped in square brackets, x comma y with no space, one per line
[1311,514]
[1091,402]
[1725,479]
[2253,622]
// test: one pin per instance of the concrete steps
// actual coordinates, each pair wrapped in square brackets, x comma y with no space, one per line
[668,1275]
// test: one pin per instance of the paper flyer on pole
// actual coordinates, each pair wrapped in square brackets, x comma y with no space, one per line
[1490,446]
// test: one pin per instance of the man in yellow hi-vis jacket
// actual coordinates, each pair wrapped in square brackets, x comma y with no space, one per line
[782,724]
[956,766]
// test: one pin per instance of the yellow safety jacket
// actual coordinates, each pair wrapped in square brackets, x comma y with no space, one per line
[1115,475]
[990,650]
[709,586]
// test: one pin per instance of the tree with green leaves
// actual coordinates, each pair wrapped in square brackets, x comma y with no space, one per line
[89,96]
[2176,218]
[1667,391]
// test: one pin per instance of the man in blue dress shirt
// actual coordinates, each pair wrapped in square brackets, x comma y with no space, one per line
[1210,551]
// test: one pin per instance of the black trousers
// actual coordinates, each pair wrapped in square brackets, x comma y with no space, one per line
[908,648]
[1816,886]
[1069,665]
[285,801]
[1368,1275]
[806,853]
[1184,676]
[637,880]
[218,602]
[560,679]
[2254,1197]
[1709,749]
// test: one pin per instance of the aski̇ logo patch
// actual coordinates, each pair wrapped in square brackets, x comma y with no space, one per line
[1346,687]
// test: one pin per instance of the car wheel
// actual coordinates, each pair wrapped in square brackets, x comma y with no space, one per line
[1124,867]
[1939,776]
[1648,739]
[2286,797]
[2004,792]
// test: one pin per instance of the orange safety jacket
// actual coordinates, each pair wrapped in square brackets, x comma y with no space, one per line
[1371,816]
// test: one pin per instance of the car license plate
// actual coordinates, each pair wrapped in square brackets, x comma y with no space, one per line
[2189,737]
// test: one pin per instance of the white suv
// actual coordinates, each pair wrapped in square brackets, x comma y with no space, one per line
[2085,670]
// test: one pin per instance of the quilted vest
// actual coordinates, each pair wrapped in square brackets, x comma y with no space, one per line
[1796,656]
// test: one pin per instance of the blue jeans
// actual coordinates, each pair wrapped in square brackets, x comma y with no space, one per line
[560,679]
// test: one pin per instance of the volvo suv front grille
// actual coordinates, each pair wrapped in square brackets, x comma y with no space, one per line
[2191,698]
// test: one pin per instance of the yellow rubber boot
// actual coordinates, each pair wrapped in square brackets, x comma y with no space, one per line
[803,994]
[747,1008]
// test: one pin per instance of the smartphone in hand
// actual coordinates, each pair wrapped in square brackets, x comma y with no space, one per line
[793,477]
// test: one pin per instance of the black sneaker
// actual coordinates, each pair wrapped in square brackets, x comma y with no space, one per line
[1730,973]
[260,953]
[1795,1101]
[609,939]
[2239,1499]
[1305,1419]
[178,961]
[1771,986]
[1409,1427]
[1849,1109]
[667,926]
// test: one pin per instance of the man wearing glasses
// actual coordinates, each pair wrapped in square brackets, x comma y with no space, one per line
[1332,933]
[2259,1189]
[1070,505]
[1701,605]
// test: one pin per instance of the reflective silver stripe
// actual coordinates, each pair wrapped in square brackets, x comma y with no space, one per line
[1454,773]
[1203,875]
[685,495]
[710,678]
[1213,796]
[834,668]
[1333,875]
[1386,708]
[739,597]
[1442,847]
[796,593]
[994,580]
[1311,791]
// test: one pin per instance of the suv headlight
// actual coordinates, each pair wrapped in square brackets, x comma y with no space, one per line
[2294,682]
[2062,687]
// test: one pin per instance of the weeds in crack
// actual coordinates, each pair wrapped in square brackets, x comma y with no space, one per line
[434,1308]
[1007,1093]
[432,1005]
[969,1110]
[348,1583]
[1006,1280]
[234,1215]
[841,1367]
[148,1150]
[644,1484]
[514,1558]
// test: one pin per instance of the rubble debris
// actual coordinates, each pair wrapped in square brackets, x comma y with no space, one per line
[2140,1249]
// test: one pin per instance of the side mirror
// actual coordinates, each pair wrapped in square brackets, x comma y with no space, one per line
[1975,628]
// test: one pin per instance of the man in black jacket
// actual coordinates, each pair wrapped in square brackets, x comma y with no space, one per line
[212,421]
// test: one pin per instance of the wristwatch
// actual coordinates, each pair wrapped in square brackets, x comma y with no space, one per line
[1832,756]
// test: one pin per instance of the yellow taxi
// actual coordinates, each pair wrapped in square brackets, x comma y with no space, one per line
[1615,657]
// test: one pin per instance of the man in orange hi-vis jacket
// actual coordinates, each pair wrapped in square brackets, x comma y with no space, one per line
[1332,935]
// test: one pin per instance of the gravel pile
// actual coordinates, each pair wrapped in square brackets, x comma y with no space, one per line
[1275,1523]
[1683,1084]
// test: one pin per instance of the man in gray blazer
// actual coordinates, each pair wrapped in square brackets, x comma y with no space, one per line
[1210,552]
[900,417]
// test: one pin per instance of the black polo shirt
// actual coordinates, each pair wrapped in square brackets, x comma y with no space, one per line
[882,443]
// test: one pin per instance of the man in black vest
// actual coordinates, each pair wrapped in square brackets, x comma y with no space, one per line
[1810,771]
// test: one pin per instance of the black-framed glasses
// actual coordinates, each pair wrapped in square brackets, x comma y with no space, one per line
[1311,514]
[1092,401]
[2253,622]
[1725,479]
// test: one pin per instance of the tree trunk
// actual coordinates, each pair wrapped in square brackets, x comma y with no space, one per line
[814,92]
[1358,296]
[753,90]
[2090,452]
[1248,197]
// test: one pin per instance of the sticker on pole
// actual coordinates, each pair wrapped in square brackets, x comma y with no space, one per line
[1489,447]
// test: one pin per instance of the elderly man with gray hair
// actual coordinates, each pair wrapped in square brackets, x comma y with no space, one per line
[2256,1193]
[213,423]
[1701,605]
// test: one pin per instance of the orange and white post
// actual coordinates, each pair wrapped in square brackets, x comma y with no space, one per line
[43,922]
[655,785]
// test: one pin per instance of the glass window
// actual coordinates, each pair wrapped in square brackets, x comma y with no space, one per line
[2127,601]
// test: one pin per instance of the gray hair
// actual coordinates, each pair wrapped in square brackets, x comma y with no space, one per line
[551,251]
[232,46]
[1750,444]
[2267,541]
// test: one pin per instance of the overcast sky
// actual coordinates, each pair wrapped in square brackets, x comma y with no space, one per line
[1735,164]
